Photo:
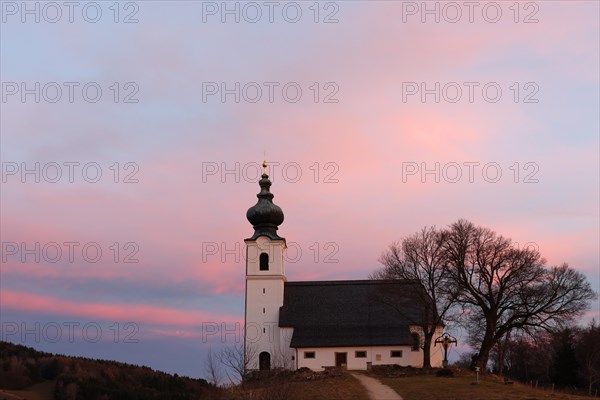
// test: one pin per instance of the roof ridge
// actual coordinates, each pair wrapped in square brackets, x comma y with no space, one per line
[347,282]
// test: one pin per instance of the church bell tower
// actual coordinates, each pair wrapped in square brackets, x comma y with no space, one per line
[265,278]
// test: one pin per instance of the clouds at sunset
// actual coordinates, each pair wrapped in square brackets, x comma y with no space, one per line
[353,196]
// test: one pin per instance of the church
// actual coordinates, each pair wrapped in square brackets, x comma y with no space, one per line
[318,324]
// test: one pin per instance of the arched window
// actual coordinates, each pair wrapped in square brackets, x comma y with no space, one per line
[264,361]
[264,262]
[416,339]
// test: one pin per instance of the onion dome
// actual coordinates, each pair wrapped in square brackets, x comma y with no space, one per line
[265,216]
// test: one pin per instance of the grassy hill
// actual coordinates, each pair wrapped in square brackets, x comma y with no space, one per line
[413,384]
[27,373]
[38,391]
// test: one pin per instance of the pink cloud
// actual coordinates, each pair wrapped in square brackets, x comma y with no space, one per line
[22,301]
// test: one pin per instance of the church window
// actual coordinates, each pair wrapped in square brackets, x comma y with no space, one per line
[396,353]
[309,354]
[264,291]
[264,310]
[360,354]
[264,262]
[416,342]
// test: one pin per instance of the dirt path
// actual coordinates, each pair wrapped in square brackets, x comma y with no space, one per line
[376,389]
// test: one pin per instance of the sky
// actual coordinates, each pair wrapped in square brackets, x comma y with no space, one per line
[132,133]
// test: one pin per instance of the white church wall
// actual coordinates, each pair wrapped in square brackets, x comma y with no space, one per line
[377,355]
[264,297]
[285,356]
[262,332]
[436,354]
[282,355]
[262,244]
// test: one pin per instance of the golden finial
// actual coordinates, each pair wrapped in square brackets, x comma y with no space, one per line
[264,165]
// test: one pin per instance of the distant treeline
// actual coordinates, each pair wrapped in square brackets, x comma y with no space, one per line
[80,378]
[568,358]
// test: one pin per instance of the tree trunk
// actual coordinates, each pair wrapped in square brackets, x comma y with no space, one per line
[502,345]
[486,346]
[484,355]
[427,350]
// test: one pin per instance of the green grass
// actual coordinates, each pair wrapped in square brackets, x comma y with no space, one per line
[39,391]
[428,387]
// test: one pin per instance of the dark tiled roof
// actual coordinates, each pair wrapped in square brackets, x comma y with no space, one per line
[350,313]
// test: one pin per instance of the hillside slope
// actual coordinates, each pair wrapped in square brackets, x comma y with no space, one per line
[82,378]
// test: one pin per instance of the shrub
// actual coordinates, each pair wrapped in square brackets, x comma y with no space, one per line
[444,372]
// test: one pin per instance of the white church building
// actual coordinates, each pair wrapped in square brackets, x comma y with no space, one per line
[320,323]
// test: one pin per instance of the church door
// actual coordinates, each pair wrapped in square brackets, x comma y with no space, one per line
[341,360]
[264,361]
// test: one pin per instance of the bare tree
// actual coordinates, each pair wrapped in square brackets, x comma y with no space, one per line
[236,360]
[420,260]
[505,288]
[211,368]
